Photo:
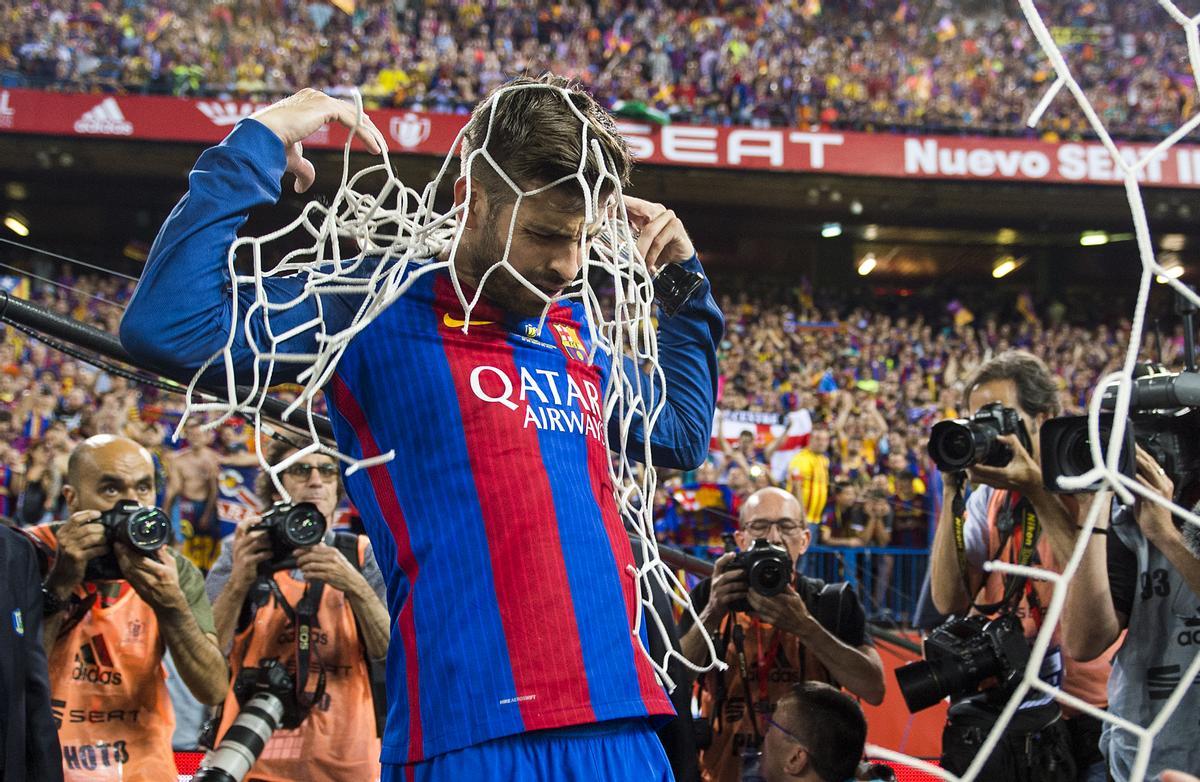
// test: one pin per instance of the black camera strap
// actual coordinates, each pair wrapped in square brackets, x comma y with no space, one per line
[1026,547]
[304,618]
[739,647]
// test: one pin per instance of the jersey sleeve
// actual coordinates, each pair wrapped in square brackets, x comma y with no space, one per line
[687,352]
[180,313]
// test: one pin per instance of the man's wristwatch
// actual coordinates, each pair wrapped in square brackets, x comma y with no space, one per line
[51,603]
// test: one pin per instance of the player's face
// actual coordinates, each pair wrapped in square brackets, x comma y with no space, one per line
[313,479]
[549,242]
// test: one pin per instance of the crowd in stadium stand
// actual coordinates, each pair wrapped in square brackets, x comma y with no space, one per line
[935,65]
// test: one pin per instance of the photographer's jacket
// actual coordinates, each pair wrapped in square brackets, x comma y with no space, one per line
[774,662]
[107,682]
[337,742]
[495,525]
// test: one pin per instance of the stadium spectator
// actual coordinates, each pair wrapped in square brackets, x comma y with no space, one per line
[936,66]
[808,476]
[844,522]
[1151,568]
[776,644]
[106,638]
[1009,506]
[339,739]
[192,474]
[816,734]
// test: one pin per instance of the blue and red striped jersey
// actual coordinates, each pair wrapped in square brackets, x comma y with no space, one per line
[496,528]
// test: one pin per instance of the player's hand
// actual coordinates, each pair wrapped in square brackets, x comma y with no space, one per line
[155,577]
[250,549]
[661,237]
[785,610]
[298,116]
[1022,474]
[729,585]
[1154,519]
[80,540]
[326,563]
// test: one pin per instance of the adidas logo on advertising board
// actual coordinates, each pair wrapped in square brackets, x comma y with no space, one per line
[106,119]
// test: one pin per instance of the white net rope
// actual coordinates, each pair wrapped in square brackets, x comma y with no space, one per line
[399,236]
[1104,471]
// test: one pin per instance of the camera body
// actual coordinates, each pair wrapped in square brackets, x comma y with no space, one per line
[288,528]
[959,443]
[768,570]
[145,530]
[963,653]
[271,678]
[1164,420]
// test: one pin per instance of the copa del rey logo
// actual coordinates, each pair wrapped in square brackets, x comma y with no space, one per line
[410,129]
[105,119]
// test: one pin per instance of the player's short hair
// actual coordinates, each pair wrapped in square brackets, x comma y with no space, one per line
[264,489]
[1037,393]
[536,139]
[830,723]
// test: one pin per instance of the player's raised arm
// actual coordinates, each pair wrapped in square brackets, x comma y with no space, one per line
[180,314]
[687,351]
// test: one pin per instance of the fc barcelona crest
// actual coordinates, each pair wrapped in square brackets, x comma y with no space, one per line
[569,341]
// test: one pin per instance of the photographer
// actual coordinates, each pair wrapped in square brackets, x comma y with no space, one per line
[1151,568]
[771,642]
[111,612]
[259,605]
[1009,507]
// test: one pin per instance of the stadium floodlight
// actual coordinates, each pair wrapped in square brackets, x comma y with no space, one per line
[1004,266]
[871,232]
[867,265]
[831,230]
[17,224]
[1093,238]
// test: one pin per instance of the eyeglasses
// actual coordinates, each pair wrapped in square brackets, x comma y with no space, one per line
[762,528]
[301,471]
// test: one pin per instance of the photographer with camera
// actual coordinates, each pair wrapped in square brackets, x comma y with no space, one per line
[286,578]
[116,597]
[1151,567]
[1010,397]
[775,628]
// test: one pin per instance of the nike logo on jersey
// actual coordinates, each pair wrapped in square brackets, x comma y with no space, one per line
[458,324]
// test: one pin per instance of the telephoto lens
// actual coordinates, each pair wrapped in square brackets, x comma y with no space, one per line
[244,741]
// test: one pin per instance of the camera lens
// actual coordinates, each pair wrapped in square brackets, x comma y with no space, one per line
[303,526]
[769,578]
[147,529]
[954,445]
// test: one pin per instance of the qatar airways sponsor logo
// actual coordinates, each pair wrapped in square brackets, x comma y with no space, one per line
[706,147]
[545,399]
[1071,162]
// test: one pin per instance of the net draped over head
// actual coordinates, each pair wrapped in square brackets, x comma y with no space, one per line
[1130,166]
[401,238]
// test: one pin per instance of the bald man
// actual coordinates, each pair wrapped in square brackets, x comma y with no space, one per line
[106,639]
[777,644]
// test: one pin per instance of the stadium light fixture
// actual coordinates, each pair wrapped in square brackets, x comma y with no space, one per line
[1093,238]
[1006,236]
[17,224]
[831,230]
[871,232]
[1004,266]
[867,265]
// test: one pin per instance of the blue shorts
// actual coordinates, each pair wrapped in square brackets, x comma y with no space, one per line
[614,751]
